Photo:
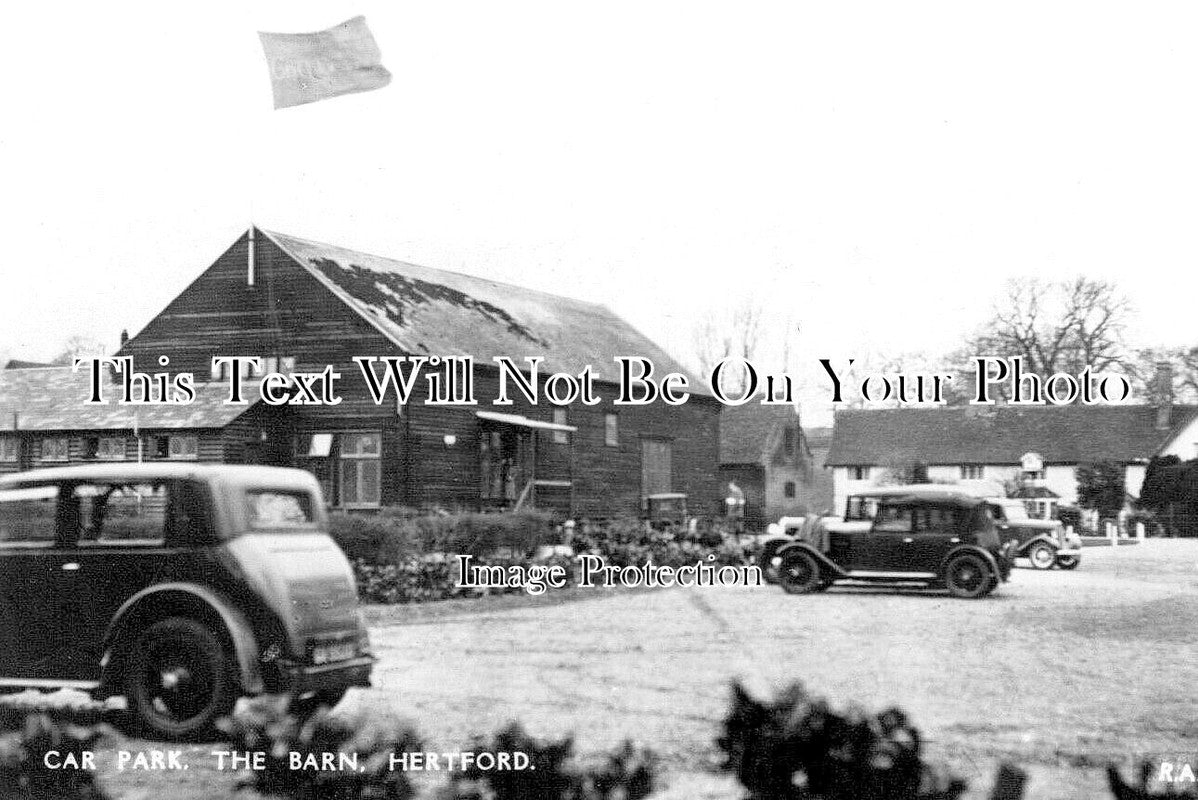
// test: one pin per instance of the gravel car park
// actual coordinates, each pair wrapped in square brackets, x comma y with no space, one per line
[656,666]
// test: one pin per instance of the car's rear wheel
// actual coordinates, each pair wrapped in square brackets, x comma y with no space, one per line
[1068,562]
[1041,555]
[768,553]
[969,576]
[800,573]
[179,679]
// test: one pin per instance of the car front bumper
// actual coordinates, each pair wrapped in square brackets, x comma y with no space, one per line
[1067,552]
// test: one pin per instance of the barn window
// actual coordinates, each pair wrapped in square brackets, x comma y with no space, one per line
[788,489]
[111,447]
[971,472]
[183,446]
[360,469]
[107,448]
[54,448]
[281,364]
[347,464]
[611,430]
[9,447]
[656,466]
[559,418]
[858,473]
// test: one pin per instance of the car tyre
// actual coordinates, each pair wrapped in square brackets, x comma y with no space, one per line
[179,680]
[1068,562]
[969,576]
[800,574]
[1042,555]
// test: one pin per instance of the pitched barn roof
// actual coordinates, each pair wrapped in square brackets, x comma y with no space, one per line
[745,430]
[1001,434]
[52,399]
[436,312]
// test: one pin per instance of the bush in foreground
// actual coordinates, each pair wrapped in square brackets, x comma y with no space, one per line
[25,737]
[264,725]
[796,747]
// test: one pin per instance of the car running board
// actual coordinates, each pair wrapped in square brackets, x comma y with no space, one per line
[868,575]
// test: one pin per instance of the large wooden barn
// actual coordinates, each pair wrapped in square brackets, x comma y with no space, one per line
[301,306]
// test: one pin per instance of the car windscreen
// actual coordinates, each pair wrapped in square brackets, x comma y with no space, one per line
[861,508]
[280,509]
[1015,512]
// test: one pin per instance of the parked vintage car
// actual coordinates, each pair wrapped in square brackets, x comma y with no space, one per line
[181,587]
[939,539]
[860,508]
[1043,542]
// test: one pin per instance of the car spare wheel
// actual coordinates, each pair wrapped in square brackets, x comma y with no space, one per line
[969,576]
[1068,562]
[800,573]
[179,679]
[1042,555]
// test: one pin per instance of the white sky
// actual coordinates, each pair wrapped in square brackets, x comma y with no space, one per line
[878,169]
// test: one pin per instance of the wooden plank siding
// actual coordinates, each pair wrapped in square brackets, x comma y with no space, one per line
[209,447]
[607,480]
[288,312]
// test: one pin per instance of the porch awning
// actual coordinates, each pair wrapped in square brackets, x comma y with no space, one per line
[523,422]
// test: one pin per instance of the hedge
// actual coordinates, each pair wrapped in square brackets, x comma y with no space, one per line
[401,557]
[794,746]
[395,534]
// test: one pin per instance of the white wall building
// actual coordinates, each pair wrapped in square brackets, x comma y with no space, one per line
[1039,446]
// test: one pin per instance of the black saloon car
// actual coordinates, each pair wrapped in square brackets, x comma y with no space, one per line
[180,587]
[939,540]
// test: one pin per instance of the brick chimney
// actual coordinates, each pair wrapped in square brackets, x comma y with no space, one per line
[1162,395]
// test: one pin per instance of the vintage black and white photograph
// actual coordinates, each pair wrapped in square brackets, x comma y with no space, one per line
[541,400]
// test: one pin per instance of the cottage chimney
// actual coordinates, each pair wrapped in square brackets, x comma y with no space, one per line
[124,336]
[1162,395]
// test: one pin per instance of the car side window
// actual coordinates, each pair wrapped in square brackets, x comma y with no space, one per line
[121,514]
[28,516]
[893,519]
[935,519]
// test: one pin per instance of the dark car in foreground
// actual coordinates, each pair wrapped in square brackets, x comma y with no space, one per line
[181,587]
[1043,542]
[942,540]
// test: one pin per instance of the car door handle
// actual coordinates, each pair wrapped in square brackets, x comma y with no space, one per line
[907,540]
[70,566]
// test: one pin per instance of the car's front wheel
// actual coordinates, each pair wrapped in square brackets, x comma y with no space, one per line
[768,553]
[179,679]
[1042,555]
[800,573]
[969,576]
[1068,562]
